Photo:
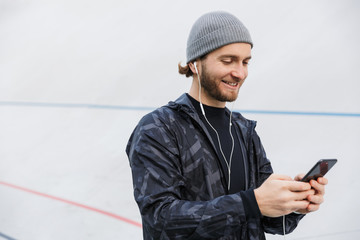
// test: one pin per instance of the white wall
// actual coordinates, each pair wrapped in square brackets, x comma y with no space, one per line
[125,53]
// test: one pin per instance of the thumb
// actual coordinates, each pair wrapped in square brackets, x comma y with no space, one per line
[299,176]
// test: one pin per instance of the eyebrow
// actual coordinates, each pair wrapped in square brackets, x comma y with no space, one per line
[233,56]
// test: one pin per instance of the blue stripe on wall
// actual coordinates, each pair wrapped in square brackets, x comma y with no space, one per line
[6,237]
[143,108]
[334,114]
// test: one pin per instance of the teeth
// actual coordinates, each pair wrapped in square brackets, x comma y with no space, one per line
[231,84]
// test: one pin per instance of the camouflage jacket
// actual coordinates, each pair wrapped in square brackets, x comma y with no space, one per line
[178,182]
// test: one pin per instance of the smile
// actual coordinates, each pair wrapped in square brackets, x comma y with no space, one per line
[233,84]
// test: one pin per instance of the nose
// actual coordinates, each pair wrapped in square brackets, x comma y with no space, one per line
[239,72]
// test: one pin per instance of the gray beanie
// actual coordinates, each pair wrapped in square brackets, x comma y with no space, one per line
[214,30]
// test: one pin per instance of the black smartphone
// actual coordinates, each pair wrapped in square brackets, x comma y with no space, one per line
[319,169]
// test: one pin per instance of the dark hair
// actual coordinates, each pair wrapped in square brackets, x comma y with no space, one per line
[186,70]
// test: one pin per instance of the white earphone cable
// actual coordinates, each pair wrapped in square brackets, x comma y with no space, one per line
[228,163]
[284,229]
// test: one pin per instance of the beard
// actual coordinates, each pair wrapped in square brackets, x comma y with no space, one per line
[212,88]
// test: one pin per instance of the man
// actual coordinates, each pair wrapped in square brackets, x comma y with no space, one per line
[199,170]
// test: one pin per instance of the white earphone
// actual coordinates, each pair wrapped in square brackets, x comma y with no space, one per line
[201,105]
[228,163]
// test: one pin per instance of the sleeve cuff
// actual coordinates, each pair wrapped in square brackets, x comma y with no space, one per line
[250,204]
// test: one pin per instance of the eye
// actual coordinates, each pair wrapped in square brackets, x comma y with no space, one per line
[227,60]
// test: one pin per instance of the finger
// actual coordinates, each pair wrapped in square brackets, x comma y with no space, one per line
[280,177]
[303,194]
[298,186]
[315,199]
[302,211]
[313,207]
[299,176]
[300,205]
[320,188]
[322,180]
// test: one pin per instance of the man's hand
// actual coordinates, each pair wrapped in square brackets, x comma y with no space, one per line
[316,199]
[280,195]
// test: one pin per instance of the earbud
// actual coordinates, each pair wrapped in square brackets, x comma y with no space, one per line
[198,77]
[196,70]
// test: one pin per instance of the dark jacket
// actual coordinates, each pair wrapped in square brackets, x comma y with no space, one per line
[179,185]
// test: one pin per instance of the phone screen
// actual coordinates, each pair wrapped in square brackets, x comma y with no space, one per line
[320,169]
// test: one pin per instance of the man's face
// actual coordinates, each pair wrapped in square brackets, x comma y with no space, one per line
[223,71]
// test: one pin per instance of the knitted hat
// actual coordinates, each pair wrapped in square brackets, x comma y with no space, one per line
[214,30]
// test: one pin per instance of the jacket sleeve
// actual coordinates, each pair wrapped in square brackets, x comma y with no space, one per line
[271,225]
[158,184]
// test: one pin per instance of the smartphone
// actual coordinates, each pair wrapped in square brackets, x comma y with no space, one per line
[319,169]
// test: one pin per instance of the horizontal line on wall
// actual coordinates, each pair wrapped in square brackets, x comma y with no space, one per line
[144,108]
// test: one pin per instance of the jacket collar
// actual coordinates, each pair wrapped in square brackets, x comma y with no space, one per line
[246,127]
[185,104]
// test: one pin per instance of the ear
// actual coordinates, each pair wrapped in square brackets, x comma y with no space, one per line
[192,67]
